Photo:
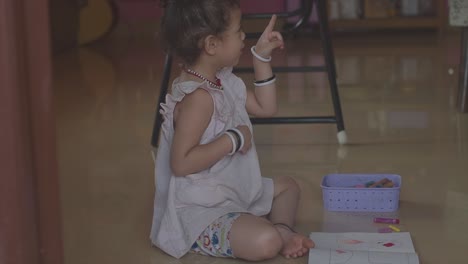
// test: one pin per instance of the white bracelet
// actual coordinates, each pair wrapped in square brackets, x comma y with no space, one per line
[260,58]
[265,83]
[234,143]
[241,137]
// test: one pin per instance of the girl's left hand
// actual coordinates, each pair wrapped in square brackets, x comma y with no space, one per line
[269,40]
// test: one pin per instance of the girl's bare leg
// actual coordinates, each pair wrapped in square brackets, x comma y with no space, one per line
[255,238]
[283,212]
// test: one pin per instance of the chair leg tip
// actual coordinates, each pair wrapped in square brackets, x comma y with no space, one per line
[342,138]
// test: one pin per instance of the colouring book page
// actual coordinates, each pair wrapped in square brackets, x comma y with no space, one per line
[391,242]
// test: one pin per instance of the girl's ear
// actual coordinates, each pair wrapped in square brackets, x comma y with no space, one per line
[211,44]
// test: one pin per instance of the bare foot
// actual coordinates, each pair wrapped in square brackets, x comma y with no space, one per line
[294,244]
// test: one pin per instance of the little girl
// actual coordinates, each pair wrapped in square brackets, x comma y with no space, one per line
[210,196]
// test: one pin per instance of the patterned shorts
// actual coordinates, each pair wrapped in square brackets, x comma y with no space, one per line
[214,240]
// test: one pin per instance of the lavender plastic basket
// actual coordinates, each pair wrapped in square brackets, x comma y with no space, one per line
[339,193]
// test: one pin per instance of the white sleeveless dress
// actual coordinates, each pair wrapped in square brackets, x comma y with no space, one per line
[185,206]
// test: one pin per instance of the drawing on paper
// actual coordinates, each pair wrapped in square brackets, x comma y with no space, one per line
[362,248]
[340,256]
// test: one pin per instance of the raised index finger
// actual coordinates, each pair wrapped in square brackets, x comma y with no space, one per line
[272,23]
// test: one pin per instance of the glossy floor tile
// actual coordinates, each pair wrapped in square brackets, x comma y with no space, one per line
[399,109]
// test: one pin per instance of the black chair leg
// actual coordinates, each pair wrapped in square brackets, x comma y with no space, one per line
[162,96]
[331,68]
[463,81]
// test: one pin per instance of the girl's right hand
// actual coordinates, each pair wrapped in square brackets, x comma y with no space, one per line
[269,40]
[245,130]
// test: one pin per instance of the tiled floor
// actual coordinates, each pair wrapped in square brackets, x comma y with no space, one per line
[398,100]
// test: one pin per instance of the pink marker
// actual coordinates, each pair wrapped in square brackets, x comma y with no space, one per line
[386,220]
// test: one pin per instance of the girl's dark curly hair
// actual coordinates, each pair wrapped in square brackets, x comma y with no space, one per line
[186,23]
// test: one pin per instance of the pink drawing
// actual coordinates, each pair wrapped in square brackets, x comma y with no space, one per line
[352,241]
[339,251]
[389,245]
